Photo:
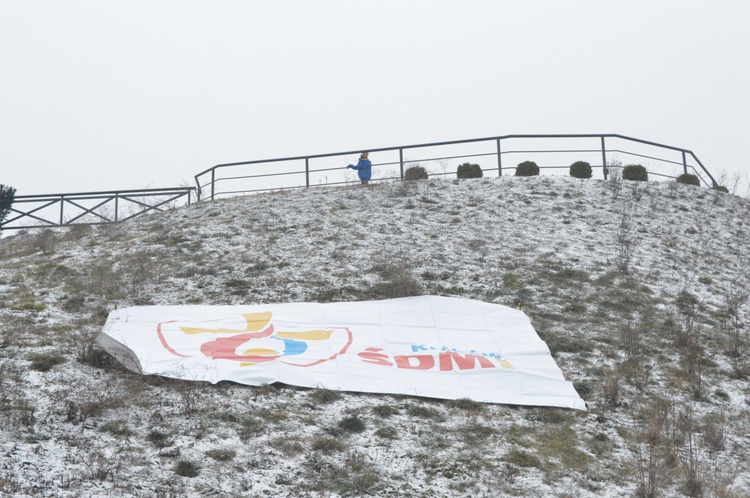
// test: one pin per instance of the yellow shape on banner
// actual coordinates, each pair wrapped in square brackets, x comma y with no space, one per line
[261,352]
[310,335]
[255,323]
[506,364]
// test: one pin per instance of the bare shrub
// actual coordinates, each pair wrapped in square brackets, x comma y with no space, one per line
[614,169]
[522,458]
[653,446]
[140,270]
[714,429]
[631,341]
[250,427]
[691,455]
[190,397]
[466,404]
[289,446]
[475,433]
[689,341]
[187,468]
[98,466]
[425,412]
[625,242]
[44,362]
[401,189]
[80,342]
[397,278]
[117,427]
[359,476]
[221,454]
[735,299]
[328,444]
[356,477]
[352,424]
[387,432]
[77,232]
[90,398]
[160,439]
[385,411]
[46,241]
[15,329]
[611,384]
[324,396]
[100,278]
[15,409]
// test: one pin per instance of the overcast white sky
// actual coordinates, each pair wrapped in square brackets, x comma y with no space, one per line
[100,95]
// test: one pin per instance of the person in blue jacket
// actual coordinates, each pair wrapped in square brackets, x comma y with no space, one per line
[363,167]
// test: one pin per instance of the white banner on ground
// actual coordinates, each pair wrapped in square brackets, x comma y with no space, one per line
[430,346]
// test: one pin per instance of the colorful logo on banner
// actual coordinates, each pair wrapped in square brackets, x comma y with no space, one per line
[258,340]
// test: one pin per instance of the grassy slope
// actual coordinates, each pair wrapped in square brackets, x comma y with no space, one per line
[631,285]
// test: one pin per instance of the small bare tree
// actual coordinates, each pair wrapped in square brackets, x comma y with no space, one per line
[653,446]
[736,296]
[689,341]
[615,178]
[691,454]
[625,242]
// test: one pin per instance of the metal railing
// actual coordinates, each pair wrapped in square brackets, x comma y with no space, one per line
[493,154]
[301,171]
[91,208]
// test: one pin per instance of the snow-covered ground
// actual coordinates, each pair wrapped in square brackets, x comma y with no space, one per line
[640,290]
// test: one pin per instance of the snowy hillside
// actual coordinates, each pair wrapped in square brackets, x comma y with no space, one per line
[639,289]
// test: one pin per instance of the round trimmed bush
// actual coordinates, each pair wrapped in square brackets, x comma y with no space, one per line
[721,188]
[580,169]
[635,172]
[415,173]
[527,168]
[469,170]
[688,179]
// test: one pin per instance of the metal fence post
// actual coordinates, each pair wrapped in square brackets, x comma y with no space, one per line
[499,160]
[684,162]
[604,159]
[307,172]
[117,204]
[401,161]
[62,206]
[213,183]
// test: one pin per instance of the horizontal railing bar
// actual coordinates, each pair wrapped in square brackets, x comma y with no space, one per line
[448,157]
[265,175]
[561,151]
[644,156]
[149,192]
[652,173]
